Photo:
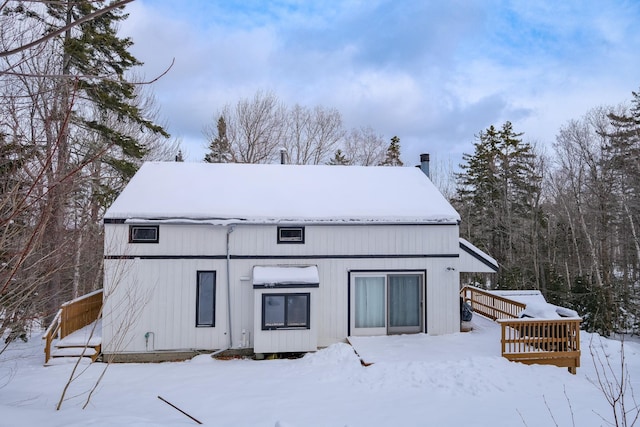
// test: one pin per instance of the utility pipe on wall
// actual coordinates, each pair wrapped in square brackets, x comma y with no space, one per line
[230,229]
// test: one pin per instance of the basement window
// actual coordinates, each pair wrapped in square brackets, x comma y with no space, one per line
[143,234]
[285,311]
[290,234]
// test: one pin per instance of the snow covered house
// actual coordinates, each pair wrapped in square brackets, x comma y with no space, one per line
[278,258]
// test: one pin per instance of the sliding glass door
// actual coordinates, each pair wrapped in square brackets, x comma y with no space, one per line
[386,303]
[370,305]
[405,304]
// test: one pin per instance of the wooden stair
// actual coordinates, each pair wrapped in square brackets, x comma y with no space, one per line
[76,330]
[91,352]
[85,342]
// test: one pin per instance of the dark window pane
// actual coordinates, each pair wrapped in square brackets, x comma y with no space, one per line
[404,300]
[144,234]
[297,309]
[273,306]
[206,298]
[291,234]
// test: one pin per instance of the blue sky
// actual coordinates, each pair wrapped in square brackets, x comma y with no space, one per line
[434,73]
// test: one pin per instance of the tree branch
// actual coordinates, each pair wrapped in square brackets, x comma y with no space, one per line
[65,28]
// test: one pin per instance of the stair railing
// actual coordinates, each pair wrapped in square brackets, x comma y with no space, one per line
[73,315]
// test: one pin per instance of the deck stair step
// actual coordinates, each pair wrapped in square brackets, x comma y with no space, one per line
[76,352]
[85,342]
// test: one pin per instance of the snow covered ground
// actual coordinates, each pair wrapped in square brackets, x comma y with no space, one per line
[415,380]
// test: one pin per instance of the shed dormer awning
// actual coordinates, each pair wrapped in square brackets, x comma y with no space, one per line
[473,260]
[291,276]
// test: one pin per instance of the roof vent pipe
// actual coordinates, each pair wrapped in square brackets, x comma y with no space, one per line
[283,156]
[424,164]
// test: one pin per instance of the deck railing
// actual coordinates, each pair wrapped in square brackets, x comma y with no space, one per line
[531,341]
[73,315]
[489,305]
[542,341]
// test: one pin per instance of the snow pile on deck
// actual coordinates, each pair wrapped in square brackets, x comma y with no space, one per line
[537,305]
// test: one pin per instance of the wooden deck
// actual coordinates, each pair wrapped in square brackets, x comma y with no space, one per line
[544,342]
[526,340]
[491,306]
[74,316]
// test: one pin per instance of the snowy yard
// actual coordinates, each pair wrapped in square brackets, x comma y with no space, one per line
[415,380]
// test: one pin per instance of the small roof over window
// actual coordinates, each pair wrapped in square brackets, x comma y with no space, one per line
[290,276]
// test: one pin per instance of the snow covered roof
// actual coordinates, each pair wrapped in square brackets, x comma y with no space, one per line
[536,305]
[281,193]
[285,275]
[473,260]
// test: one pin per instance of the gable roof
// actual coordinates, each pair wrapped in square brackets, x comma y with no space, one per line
[281,193]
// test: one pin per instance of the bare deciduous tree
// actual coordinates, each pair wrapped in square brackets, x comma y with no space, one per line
[255,128]
[364,147]
[312,134]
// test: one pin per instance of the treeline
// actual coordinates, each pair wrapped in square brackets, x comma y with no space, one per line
[566,222]
[74,128]
[261,129]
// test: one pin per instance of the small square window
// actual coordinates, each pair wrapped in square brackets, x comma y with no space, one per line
[143,234]
[285,311]
[290,234]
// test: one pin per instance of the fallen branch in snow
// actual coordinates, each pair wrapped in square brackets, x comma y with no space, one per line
[550,411]
[573,420]
[178,409]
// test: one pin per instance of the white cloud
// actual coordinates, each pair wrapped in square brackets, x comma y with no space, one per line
[436,72]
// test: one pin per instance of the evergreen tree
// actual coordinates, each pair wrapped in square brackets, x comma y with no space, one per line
[392,157]
[219,148]
[88,131]
[498,198]
[97,59]
[339,159]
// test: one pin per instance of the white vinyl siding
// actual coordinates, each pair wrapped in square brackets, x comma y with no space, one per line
[164,294]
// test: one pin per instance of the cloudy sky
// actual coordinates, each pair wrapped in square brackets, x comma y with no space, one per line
[434,73]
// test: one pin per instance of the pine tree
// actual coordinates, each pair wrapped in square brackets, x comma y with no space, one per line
[392,157]
[339,159]
[498,197]
[98,59]
[219,148]
[89,132]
